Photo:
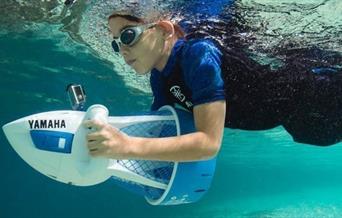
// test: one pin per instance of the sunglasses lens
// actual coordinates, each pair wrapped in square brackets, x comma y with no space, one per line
[115,46]
[127,36]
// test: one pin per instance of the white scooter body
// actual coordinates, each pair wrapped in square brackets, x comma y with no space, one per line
[54,143]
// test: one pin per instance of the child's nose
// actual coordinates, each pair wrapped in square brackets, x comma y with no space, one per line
[124,50]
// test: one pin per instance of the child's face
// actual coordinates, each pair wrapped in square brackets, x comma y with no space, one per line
[143,55]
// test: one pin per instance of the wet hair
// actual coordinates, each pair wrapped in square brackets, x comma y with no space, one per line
[178,29]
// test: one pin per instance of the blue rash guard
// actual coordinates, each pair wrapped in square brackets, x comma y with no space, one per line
[192,75]
[307,103]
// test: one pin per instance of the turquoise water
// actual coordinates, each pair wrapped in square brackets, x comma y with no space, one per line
[259,174]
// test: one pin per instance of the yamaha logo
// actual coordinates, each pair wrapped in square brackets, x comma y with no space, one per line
[46,124]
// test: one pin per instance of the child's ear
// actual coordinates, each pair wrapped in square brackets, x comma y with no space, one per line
[167,28]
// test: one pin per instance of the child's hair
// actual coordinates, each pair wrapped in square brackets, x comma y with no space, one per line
[178,29]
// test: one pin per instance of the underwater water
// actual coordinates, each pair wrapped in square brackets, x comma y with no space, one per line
[258,174]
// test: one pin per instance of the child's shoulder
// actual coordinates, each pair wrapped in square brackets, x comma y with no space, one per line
[198,46]
[200,50]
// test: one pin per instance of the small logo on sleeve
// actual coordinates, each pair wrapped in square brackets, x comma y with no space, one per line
[177,93]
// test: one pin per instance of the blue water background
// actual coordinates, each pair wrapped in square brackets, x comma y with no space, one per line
[259,174]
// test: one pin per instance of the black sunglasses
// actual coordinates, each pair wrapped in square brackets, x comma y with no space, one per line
[129,36]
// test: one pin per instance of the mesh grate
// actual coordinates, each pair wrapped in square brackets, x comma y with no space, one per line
[152,129]
[159,171]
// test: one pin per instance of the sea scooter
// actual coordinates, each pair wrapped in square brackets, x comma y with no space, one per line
[53,143]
